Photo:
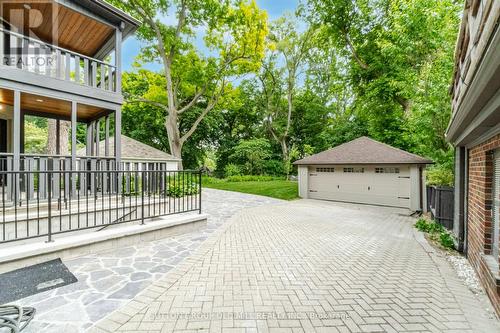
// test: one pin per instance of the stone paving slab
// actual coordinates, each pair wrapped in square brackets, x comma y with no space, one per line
[109,280]
[308,266]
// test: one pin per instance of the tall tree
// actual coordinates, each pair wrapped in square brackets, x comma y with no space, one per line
[234,35]
[390,44]
[288,53]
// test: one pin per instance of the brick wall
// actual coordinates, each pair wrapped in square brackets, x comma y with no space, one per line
[479,217]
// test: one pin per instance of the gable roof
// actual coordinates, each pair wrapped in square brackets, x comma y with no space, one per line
[132,149]
[363,150]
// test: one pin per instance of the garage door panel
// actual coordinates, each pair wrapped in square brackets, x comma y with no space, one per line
[390,189]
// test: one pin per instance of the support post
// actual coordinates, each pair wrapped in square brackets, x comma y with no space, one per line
[16,144]
[58,137]
[74,108]
[90,127]
[118,137]
[118,147]
[118,56]
[97,136]
[16,131]
[106,146]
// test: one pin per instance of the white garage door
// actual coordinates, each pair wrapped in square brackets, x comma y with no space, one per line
[377,185]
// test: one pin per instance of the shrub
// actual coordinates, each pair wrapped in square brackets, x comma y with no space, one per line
[251,178]
[251,155]
[232,170]
[446,240]
[179,189]
[422,225]
[274,167]
[440,176]
[428,226]
[436,232]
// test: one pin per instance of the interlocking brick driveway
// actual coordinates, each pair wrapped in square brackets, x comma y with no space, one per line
[308,266]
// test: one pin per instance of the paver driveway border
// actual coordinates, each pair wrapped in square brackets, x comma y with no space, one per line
[471,306]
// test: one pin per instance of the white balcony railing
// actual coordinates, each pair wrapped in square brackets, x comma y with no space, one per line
[35,56]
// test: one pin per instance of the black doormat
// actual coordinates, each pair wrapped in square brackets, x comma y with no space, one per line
[34,279]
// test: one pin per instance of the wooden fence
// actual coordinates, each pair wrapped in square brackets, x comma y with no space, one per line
[440,203]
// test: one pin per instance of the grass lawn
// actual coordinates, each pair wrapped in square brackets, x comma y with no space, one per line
[279,189]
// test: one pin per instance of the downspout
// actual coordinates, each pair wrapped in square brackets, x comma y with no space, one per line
[421,188]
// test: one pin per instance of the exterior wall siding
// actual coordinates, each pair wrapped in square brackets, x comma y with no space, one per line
[303,173]
[479,215]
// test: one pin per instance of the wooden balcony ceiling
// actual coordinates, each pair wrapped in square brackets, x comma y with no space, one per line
[59,25]
[51,107]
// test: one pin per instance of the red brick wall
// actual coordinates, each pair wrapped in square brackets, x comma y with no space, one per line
[479,215]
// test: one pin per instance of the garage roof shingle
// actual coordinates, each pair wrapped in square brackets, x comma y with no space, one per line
[363,150]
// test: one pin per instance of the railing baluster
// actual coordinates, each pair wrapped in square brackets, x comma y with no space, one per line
[36,58]
[86,73]
[77,69]
[94,74]
[110,78]
[58,64]
[48,60]
[103,77]
[67,73]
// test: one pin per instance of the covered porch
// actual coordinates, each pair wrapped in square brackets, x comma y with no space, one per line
[24,176]
[98,122]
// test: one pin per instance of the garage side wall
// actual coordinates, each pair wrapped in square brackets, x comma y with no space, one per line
[303,173]
[415,188]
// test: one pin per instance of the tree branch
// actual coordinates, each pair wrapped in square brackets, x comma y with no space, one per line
[148,101]
[198,120]
[354,53]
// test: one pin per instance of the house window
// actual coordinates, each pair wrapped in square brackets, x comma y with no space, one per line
[325,169]
[354,170]
[386,170]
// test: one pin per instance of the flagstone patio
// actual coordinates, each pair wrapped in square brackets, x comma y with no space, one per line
[108,280]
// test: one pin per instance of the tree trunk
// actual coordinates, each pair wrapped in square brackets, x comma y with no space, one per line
[286,155]
[174,137]
[63,137]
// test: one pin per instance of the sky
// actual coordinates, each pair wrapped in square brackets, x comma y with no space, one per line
[274,8]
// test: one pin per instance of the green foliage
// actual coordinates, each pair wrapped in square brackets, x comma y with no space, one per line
[429,226]
[436,232]
[380,68]
[275,167]
[396,58]
[250,156]
[252,178]
[179,188]
[35,138]
[422,225]
[440,176]
[446,240]
[232,170]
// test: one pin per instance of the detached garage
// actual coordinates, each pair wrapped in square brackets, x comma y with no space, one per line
[365,171]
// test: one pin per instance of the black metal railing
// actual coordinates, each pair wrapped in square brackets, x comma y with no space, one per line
[48,203]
